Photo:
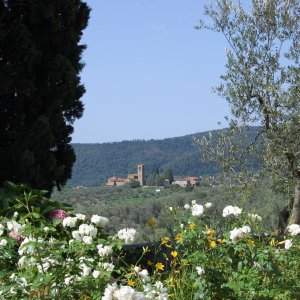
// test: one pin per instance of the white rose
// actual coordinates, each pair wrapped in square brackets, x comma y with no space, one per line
[96,274]
[87,239]
[3,242]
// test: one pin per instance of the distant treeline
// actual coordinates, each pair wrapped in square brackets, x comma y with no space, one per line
[97,162]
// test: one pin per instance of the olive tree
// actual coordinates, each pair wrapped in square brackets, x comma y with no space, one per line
[262,86]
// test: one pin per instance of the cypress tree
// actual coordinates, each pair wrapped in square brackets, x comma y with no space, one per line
[40,90]
[169,175]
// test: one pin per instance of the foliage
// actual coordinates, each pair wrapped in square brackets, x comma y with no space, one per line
[11,193]
[261,85]
[40,62]
[231,259]
[156,179]
[133,183]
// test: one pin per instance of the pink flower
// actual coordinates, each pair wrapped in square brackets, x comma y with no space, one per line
[57,214]
[14,236]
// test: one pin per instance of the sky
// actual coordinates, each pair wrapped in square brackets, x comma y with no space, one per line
[149,74]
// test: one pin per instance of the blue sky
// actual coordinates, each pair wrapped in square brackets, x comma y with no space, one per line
[149,74]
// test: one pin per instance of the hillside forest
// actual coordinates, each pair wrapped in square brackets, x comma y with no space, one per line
[95,163]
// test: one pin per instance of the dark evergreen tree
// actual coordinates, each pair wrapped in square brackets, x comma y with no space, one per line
[155,171]
[40,90]
[168,175]
[150,180]
[159,180]
[153,177]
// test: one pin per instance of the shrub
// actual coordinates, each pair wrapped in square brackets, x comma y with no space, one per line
[54,254]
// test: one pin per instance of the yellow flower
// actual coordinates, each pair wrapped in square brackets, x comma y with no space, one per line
[165,240]
[150,223]
[178,237]
[174,254]
[192,226]
[272,242]
[280,243]
[221,241]
[185,263]
[250,242]
[211,233]
[149,263]
[130,282]
[145,249]
[212,244]
[159,266]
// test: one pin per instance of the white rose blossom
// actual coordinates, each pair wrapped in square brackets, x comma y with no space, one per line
[208,205]
[3,242]
[239,233]
[197,210]
[1,229]
[76,235]
[255,217]
[68,280]
[27,247]
[288,244]
[231,210]
[87,239]
[80,217]
[109,291]
[104,250]
[15,226]
[127,235]
[293,229]
[96,274]
[69,222]
[144,274]
[86,229]
[85,269]
[106,266]
[200,270]
[124,293]
[99,220]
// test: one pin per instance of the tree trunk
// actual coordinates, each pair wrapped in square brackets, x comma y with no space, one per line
[295,216]
[283,217]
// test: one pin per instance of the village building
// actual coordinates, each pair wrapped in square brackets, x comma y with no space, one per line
[116,181]
[194,181]
[139,176]
[167,182]
[188,181]
[182,182]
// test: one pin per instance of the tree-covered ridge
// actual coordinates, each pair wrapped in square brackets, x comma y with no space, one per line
[96,162]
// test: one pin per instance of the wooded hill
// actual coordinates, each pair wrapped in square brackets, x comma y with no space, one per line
[97,162]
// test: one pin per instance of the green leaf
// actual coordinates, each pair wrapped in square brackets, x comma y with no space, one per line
[37,215]
[56,221]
